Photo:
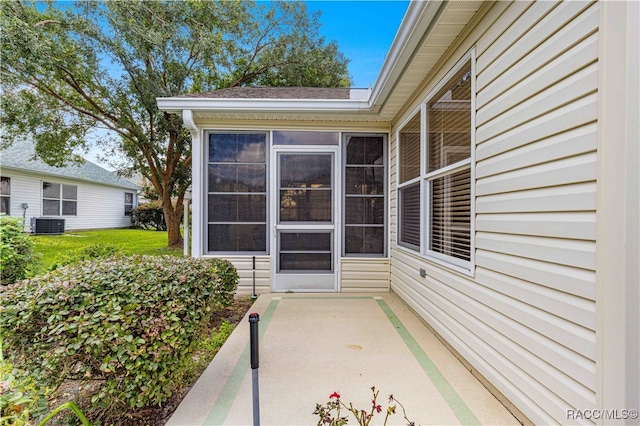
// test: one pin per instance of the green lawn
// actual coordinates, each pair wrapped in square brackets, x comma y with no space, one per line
[128,241]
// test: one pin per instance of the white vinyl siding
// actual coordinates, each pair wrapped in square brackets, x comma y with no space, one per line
[244,267]
[356,274]
[526,321]
[98,206]
[364,275]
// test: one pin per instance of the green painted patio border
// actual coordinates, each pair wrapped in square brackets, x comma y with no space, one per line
[457,405]
[222,406]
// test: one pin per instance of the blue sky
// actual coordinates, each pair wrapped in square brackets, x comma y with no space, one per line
[364,31]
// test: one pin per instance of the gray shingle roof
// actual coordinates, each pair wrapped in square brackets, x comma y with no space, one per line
[262,92]
[20,156]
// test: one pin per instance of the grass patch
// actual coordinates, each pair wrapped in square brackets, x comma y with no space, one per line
[128,241]
[208,348]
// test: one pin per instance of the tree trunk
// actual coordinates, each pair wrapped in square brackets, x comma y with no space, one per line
[172,218]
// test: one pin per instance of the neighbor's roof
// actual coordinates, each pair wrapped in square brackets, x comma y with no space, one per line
[20,156]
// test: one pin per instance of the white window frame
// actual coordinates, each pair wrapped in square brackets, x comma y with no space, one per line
[132,203]
[466,267]
[60,199]
[7,196]
[412,181]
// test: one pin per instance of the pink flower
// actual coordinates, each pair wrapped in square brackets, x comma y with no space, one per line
[334,395]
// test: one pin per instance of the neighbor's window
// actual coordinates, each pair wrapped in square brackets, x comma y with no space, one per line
[364,195]
[128,203]
[237,192]
[445,180]
[5,195]
[59,199]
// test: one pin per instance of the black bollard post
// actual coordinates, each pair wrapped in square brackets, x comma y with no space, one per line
[254,318]
[253,295]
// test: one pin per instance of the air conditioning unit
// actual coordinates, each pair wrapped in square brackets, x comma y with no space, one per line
[45,225]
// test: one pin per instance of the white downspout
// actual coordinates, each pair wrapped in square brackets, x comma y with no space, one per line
[187,202]
[196,185]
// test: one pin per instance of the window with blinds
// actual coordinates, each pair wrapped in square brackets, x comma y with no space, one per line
[410,149]
[409,184]
[410,216]
[445,181]
[449,167]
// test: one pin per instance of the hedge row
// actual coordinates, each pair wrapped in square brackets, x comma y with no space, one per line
[148,216]
[126,325]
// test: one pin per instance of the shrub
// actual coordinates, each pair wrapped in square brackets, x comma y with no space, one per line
[20,397]
[17,257]
[125,327]
[148,216]
[92,251]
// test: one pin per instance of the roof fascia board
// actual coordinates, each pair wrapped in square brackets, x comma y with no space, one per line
[179,104]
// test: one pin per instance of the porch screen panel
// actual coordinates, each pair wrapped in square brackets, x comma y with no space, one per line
[305,188]
[305,138]
[305,252]
[365,195]
[237,192]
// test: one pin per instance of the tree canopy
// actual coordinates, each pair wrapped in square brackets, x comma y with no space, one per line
[67,69]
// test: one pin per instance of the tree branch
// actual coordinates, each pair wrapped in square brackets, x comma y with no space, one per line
[40,86]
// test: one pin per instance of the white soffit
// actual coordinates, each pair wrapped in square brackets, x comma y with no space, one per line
[436,37]
[428,29]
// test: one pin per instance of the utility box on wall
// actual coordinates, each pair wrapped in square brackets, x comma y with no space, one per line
[45,225]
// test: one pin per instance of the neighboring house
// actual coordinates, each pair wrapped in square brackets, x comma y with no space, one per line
[85,195]
[489,178]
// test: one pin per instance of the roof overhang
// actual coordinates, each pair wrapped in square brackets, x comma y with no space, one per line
[48,174]
[178,104]
[427,30]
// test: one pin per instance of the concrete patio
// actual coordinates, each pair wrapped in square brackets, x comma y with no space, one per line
[312,345]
